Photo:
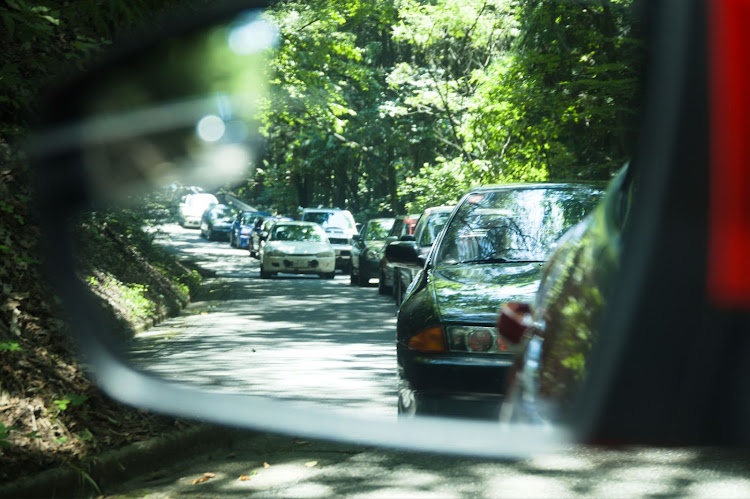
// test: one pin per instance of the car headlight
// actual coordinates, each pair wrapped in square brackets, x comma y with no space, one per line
[479,339]
[324,254]
[274,253]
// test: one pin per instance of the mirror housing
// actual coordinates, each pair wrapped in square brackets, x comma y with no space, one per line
[404,254]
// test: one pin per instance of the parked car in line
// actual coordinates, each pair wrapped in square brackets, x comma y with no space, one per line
[429,225]
[367,250]
[297,248]
[403,226]
[261,229]
[449,355]
[558,328]
[340,227]
[242,228]
[216,222]
[192,206]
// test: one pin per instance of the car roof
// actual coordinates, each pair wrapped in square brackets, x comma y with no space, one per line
[439,209]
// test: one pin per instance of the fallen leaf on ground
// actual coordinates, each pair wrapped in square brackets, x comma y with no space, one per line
[266,465]
[311,464]
[206,477]
[244,478]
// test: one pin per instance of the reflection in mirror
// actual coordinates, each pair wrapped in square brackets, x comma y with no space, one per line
[187,113]
[196,149]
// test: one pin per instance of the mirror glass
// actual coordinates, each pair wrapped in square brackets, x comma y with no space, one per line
[250,152]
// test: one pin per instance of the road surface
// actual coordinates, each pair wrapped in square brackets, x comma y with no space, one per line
[295,337]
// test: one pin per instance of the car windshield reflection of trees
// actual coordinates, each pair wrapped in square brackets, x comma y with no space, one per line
[434,226]
[512,226]
[296,233]
[329,220]
[378,231]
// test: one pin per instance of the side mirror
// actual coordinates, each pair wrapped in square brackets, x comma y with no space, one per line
[404,254]
[514,320]
[356,237]
[407,237]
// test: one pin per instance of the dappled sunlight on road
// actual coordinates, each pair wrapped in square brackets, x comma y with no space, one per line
[298,337]
[300,468]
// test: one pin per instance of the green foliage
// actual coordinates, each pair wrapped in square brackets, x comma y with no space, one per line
[69,399]
[132,296]
[379,106]
[5,434]
[9,346]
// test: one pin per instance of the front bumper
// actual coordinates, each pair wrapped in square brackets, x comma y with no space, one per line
[369,267]
[299,264]
[189,221]
[343,255]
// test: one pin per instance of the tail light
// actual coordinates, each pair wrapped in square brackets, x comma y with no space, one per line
[477,339]
[480,340]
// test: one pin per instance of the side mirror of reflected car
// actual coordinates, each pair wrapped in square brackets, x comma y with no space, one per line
[404,254]
[513,321]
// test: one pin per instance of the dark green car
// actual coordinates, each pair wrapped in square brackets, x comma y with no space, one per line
[367,250]
[450,358]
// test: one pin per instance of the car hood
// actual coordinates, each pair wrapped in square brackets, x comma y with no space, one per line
[297,247]
[193,211]
[473,293]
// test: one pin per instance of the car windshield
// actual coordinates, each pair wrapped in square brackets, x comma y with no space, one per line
[200,200]
[434,224]
[377,230]
[248,218]
[512,224]
[330,219]
[294,232]
[222,213]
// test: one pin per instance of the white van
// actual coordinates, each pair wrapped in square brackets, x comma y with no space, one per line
[340,228]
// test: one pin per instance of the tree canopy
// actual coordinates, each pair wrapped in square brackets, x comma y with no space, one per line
[382,106]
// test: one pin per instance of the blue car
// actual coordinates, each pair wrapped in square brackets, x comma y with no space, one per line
[242,228]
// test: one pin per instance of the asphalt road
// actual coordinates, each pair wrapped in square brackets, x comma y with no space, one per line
[295,337]
[273,466]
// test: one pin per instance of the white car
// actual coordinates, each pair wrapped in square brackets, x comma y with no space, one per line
[297,248]
[192,207]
